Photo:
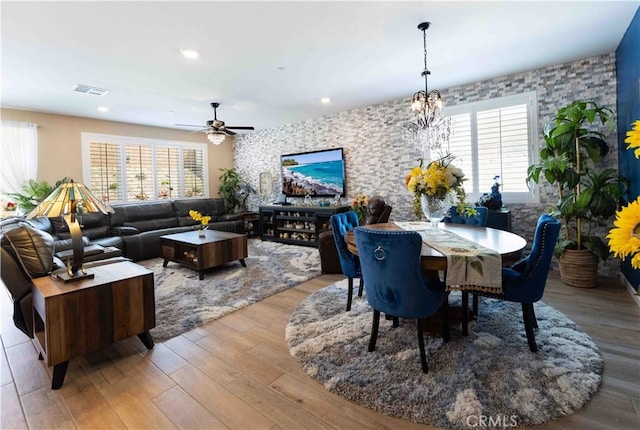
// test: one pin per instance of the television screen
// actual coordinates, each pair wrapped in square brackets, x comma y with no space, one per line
[317,173]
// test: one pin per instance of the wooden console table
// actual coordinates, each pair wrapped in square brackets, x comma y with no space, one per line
[71,319]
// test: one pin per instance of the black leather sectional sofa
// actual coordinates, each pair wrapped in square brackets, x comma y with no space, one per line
[135,228]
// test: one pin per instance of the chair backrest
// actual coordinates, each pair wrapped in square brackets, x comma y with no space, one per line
[392,274]
[340,224]
[377,211]
[529,277]
[480,218]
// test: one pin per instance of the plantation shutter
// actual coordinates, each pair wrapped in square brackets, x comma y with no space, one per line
[503,148]
[168,173]
[105,171]
[493,138]
[193,164]
[139,172]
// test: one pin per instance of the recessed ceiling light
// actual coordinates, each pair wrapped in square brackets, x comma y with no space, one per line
[103,109]
[325,100]
[190,53]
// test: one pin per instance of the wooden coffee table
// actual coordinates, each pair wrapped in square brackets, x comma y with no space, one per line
[202,253]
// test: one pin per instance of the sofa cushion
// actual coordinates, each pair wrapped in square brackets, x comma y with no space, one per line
[208,207]
[41,223]
[64,244]
[152,224]
[91,233]
[33,247]
[144,216]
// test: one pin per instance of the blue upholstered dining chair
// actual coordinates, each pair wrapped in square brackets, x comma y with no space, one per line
[524,282]
[340,224]
[480,218]
[394,284]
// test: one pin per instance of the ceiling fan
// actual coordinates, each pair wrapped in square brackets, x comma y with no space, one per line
[216,129]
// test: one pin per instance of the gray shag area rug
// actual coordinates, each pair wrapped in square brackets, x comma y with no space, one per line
[491,373]
[183,302]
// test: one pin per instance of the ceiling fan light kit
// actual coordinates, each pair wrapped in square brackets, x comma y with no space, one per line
[216,129]
[215,138]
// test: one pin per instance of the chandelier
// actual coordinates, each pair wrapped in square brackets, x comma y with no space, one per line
[428,128]
[215,137]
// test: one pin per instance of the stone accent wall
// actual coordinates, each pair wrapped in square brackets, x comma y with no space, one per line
[377,158]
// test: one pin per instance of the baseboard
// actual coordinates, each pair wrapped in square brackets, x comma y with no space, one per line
[630,289]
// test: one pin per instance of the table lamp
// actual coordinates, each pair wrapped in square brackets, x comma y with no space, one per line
[65,201]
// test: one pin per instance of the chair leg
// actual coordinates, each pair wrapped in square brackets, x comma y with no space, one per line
[360,287]
[396,322]
[423,355]
[534,321]
[465,313]
[446,325]
[350,293]
[527,309]
[475,304]
[374,330]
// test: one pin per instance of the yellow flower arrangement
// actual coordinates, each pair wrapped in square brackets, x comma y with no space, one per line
[624,238]
[438,179]
[197,216]
[633,138]
[359,206]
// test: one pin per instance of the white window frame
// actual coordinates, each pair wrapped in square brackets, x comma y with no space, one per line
[122,141]
[528,98]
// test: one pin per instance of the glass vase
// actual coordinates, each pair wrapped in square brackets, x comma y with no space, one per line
[434,209]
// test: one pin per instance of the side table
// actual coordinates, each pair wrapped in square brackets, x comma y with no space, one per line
[71,319]
[251,223]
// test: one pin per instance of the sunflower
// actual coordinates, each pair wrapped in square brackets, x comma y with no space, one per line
[633,138]
[624,238]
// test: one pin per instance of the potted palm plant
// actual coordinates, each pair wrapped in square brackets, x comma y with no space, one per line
[588,194]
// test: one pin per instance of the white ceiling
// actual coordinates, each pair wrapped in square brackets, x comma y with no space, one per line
[269,63]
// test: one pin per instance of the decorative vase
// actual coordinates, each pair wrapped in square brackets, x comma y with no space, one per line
[434,209]
[578,268]
[201,232]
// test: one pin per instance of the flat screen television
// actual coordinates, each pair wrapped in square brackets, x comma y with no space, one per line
[316,173]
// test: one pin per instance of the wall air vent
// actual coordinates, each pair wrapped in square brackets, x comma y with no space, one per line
[88,89]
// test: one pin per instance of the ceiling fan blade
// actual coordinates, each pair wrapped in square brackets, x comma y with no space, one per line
[240,128]
[188,125]
[228,132]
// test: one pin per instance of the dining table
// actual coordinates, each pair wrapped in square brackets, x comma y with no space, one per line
[434,264]
[509,245]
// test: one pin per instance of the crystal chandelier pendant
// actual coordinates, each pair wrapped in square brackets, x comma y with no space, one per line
[428,128]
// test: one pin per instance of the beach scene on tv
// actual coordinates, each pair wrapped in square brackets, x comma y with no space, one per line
[315,173]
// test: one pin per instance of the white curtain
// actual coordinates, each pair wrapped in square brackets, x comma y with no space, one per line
[18,155]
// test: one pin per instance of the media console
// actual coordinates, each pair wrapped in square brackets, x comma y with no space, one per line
[296,225]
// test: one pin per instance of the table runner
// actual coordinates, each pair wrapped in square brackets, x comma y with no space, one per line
[470,266]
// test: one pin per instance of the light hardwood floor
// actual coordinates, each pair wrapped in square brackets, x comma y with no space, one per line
[237,373]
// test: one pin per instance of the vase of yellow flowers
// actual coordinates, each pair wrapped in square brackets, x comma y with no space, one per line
[624,238]
[359,206]
[436,187]
[202,219]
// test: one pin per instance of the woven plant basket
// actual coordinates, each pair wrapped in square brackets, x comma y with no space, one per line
[579,268]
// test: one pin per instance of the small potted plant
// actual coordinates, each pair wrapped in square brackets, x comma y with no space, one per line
[588,194]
